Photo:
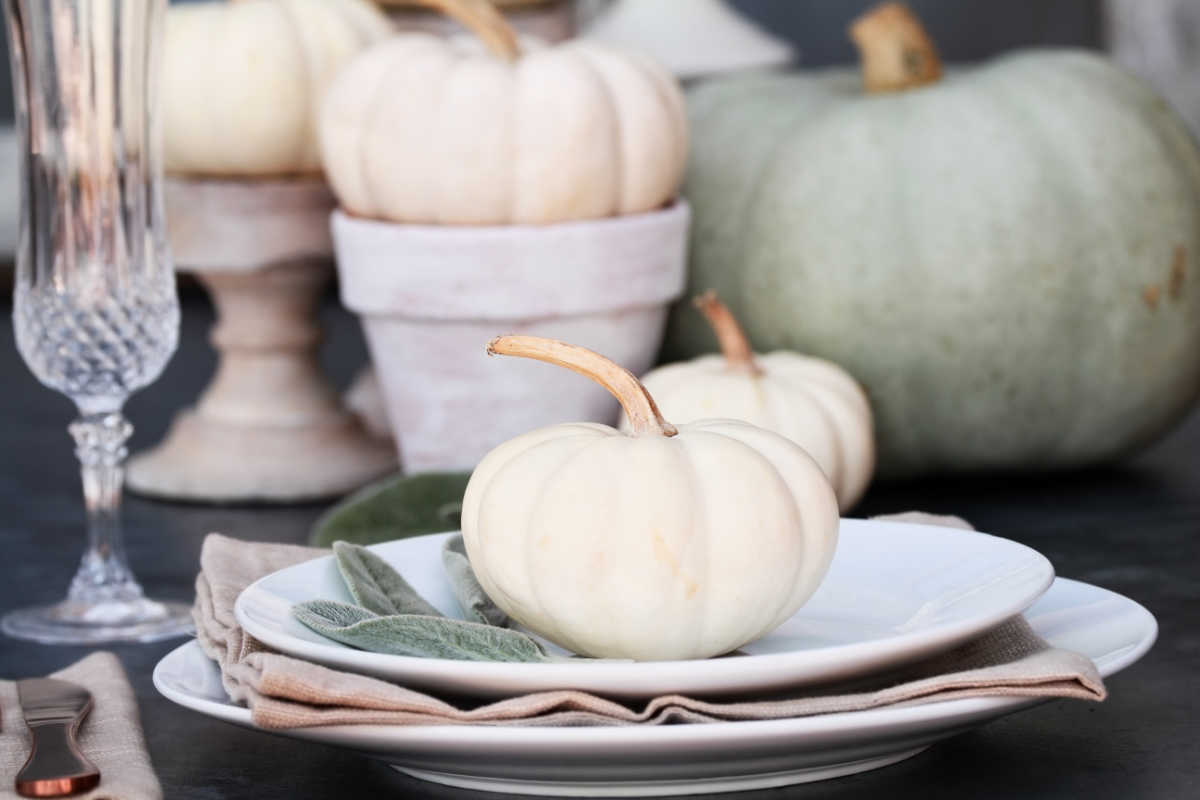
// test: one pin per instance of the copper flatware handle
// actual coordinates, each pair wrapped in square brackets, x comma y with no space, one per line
[56,768]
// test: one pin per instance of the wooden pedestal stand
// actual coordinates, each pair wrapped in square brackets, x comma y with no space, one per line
[269,428]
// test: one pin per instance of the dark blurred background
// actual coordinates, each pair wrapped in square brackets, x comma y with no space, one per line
[964,31]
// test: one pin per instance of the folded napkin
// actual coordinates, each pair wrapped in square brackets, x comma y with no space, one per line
[111,735]
[285,692]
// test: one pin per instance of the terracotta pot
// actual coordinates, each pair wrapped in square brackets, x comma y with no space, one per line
[431,298]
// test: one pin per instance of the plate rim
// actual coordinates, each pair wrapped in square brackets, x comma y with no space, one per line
[431,737]
[720,676]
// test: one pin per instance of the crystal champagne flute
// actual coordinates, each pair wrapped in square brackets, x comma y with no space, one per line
[95,309]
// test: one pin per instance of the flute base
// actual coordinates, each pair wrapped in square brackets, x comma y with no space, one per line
[140,620]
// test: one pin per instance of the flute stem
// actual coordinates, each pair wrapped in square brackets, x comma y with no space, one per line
[104,580]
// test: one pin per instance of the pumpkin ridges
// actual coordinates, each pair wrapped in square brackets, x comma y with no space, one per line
[342,122]
[668,89]
[701,529]
[840,395]
[403,126]
[648,112]
[746,434]
[251,113]
[821,503]
[616,141]
[599,71]
[855,434]
[499,459]
[796,366]
[309,149]
[371,204]
[286,19]
[473,100]
[549,614]
[517,597]
[834,464]
[769,619]
[566,111]
[648,548]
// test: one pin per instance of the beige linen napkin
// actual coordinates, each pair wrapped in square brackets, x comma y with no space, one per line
[285,692]
[111,736]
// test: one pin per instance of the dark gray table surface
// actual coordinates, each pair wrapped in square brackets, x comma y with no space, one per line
[1134,528]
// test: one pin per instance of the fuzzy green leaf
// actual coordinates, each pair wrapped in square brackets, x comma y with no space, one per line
[395,508]
[377,587]
[416,635]
[472,599]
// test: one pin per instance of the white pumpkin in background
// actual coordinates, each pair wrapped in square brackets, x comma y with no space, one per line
[813,402]
[441,131]
[662,543]
[242,81]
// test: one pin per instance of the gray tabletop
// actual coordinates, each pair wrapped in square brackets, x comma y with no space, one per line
[1134,528]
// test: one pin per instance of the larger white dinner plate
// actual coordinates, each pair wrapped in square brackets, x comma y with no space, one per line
[691,759]
[894,592]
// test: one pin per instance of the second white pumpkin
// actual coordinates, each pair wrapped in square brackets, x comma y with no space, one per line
[427,130]
[813,402]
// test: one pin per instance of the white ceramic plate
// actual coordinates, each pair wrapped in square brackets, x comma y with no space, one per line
[894,592]
[692,759]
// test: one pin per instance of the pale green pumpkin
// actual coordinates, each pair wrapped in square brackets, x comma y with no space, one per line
[1008,258]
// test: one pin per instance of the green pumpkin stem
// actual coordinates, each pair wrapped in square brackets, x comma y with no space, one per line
[640,408]
[895,50]
[735,346]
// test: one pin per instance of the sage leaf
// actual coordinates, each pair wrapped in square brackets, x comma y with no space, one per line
[330,614]
[417,635]
[472,599]
[377,587]
[397,507]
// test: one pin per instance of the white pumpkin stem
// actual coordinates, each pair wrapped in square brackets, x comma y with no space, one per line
[482,19]
[730,335]
[896,51]
[644,416]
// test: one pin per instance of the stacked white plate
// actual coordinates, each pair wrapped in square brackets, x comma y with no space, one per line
[895,592]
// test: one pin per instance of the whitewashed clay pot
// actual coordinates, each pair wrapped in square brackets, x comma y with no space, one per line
[431,297]
[365,399]
[269,428]
[692,38]
[548,20]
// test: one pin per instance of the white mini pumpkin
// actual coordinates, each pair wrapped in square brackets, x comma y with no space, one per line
[242,81]
[662,543]
[428,130]
[813,402]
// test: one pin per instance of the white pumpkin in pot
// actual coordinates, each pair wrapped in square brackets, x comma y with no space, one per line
[813,402]
[662,543]
[440,131]
[242,81]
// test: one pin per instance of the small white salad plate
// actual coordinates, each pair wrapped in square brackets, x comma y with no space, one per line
[894,592]
[692,759]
